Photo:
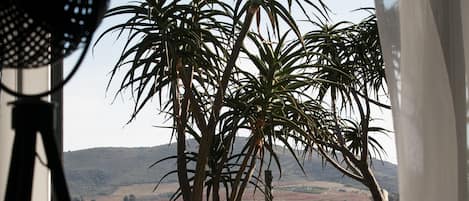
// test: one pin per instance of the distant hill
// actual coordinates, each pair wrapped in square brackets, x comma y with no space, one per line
[99,171]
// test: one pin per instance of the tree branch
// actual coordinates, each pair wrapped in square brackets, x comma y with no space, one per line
[338,166]
[343,150]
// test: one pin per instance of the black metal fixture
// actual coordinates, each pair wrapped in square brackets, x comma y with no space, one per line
[33,34]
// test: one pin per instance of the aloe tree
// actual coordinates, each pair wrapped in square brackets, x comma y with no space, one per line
[172,48]
[262,101]
[351,73]
[315,94]
[184,53]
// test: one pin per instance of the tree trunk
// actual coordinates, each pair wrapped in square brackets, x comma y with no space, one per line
[268,185]
[239,175]
[181,119]
[209,132]
[181,163]
[371,182]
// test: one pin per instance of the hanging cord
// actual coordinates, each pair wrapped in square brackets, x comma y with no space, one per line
[3,87]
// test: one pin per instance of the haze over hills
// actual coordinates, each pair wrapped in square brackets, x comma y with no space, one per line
[100,171]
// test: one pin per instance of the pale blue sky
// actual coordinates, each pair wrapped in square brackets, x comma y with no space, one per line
[93,119]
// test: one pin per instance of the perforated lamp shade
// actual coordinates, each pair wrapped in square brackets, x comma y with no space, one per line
[35,33]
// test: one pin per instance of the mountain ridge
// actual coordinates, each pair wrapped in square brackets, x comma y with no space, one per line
[99,171]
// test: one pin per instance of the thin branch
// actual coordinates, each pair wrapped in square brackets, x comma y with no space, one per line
[343,150]
[352,166]
[338,166]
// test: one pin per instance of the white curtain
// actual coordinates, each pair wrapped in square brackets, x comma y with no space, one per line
[32,81]
[423,42]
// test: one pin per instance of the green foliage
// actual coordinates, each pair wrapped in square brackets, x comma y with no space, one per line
[162,34]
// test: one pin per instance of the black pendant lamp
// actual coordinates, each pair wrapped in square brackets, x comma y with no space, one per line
[36,33]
